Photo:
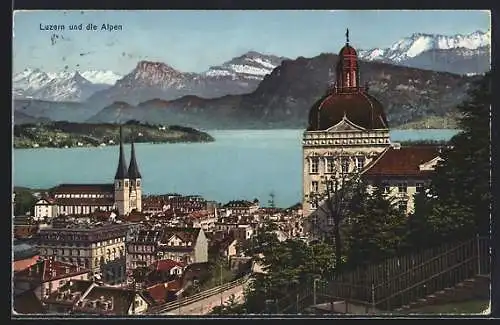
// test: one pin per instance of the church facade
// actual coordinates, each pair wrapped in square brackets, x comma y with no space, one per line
[122,196]
[347,135]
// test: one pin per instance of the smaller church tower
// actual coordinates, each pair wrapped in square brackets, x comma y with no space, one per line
[122,186]
[135,182]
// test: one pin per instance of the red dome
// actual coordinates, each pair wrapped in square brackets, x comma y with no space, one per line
[359,107]
[348,50]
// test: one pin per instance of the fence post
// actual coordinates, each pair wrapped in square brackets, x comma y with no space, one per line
[373,298]
[478,254]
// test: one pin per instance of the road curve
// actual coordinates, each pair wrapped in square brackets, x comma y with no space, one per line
[206,305]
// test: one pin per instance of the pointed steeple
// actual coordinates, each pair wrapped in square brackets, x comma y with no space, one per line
[121,170]
[133,168]
[347,36]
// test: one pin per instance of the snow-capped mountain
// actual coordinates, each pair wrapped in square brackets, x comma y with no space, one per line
[73,89]
[158,80]
[61,86]
[251,65]
[420,50]
[28,81]
[102,77]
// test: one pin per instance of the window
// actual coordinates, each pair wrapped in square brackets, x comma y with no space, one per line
[386,187]
[314,186]
[314,205]
[314,165]
[403,206]
[330,186]
[330,221]
[138,182]
[126,183]
[402,188]
[345,165]
[330,165]
[360,163]
[419,187]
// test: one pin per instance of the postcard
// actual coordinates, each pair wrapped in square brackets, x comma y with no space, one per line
[246,163]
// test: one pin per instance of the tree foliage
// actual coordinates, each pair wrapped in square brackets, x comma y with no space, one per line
[288,265]
[376,230]
[230,307]
[457,204]
[24,201]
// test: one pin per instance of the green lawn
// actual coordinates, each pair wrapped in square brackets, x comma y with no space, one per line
[465,307]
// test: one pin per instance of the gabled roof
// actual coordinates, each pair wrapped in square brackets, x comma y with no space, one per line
[404,162]
[185,234]
[165,265]
[345,125]
[48,270]
[122,299]
[63,294]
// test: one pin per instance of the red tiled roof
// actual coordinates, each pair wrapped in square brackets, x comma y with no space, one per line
[402,162]
[48,270]
[200,214]
[174,285]
[83,188]
[24,263]
[165,265]
[158,292]
[25,231]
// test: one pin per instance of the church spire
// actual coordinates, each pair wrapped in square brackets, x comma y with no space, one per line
[121,170]
[133,169]
[347,36]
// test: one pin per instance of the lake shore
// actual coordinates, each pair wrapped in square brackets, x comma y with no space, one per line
[84,135]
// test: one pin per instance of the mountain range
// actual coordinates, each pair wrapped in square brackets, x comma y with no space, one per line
[260,90]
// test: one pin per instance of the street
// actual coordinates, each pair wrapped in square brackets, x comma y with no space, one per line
[205,306]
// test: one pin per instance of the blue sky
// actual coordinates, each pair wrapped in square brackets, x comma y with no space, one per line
[192,41]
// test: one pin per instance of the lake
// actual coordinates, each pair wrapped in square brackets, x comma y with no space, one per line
[240,164]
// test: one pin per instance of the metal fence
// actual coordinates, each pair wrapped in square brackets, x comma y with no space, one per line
[197,297]
[397,281]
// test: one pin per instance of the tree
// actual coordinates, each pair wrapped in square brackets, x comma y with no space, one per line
[337,202]
[377,230]
[261,243]
[230,307]
[288,264]
[23,201]
[458,202]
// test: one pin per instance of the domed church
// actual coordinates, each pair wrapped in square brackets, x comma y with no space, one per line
[348,134]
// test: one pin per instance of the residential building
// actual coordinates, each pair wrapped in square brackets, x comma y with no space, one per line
[89,298]
[46,276]
[182,244]
[98,247]
[241,207]
[403,172]
[44,209]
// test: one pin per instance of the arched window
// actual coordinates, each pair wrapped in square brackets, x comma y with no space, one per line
[114,253]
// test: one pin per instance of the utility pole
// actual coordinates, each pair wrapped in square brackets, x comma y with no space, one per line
[221,300]
[314,290]
[271,200]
